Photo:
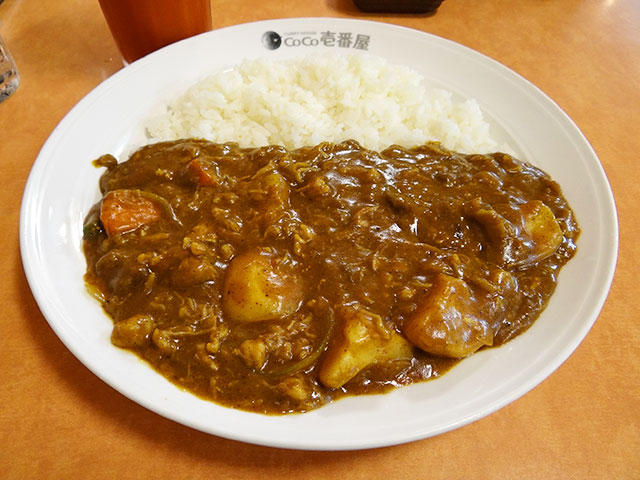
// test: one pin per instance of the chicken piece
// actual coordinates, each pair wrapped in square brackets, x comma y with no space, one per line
[165,342]
[120,272]
[260,286]
[315,187]
[253,352]
[519,234]
[447,324]
[127,210]
[133,332]
[363,340]
[272,192]
[297,388]
[193,271]
[277,188]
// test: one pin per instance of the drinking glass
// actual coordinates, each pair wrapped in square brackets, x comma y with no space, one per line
[141,26]
[9,77]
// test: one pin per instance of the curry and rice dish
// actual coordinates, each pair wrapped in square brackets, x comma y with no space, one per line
[276,281]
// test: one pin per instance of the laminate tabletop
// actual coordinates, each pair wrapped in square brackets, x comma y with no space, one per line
[58,420]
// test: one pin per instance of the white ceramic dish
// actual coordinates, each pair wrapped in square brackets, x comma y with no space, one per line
[63,185]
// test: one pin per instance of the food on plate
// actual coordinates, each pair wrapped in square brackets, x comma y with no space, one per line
[277,280]
[323,97]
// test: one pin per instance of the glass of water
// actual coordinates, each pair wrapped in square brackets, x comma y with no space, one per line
[9,77]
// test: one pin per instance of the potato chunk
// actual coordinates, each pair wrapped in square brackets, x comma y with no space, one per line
[447,324]
[260,286]
[520,234]
[542,227]
[363,340]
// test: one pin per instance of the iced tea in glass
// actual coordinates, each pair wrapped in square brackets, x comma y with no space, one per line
[140,27]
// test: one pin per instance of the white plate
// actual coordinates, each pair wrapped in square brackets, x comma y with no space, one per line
[63,185]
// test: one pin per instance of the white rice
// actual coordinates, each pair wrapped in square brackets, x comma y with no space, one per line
[323,97]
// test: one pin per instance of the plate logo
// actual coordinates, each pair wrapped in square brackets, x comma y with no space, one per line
[271,40]
[349,40]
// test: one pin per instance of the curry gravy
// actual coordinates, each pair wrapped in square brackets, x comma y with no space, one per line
[276,281]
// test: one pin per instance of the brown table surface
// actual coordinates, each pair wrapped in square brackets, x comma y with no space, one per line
[58,420]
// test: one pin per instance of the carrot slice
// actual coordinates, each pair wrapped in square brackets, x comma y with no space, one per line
[127,210]
[205,176]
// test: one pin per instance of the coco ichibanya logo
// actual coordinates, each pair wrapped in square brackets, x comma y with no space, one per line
[273,40]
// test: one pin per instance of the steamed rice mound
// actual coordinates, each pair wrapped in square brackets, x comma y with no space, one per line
[323,97]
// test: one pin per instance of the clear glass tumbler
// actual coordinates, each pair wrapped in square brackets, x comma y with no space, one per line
[9,77]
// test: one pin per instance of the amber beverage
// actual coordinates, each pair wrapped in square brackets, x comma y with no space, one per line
[140,27]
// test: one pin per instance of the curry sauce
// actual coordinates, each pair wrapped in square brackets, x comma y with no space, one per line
[276,280]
